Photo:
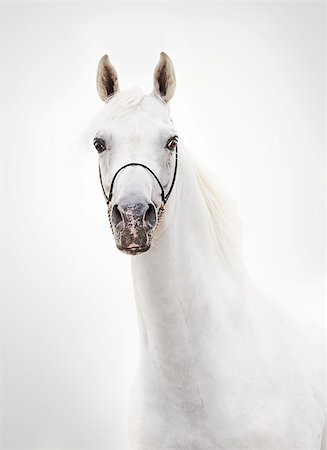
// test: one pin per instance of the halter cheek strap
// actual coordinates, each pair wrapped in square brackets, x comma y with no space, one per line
[164,197]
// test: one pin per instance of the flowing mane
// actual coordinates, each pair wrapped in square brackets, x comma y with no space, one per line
[119,104]
[222,211]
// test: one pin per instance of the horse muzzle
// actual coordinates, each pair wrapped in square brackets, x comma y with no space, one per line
[133,224]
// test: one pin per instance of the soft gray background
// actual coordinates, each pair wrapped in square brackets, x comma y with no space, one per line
[250,101]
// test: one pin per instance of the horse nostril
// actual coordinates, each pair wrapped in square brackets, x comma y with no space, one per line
[150,216]
[116,216]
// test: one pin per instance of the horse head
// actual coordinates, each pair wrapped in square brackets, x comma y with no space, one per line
[137,147]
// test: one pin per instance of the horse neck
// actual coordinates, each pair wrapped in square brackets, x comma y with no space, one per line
[183,289]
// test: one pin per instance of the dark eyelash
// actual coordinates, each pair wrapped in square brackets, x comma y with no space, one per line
[170,140]
[99,144]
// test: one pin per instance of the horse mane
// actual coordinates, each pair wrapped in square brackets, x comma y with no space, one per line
[222,212]
[115,107]
[121,103]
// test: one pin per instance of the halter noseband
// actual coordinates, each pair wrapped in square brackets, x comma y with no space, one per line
[164,197]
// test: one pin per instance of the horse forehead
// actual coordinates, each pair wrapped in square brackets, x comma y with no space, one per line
[148,116]
[137,126]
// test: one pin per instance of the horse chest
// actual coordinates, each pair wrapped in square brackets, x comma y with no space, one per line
[184,424]
[194,414]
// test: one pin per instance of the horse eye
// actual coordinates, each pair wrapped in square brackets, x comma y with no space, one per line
[99,144]
[172,143]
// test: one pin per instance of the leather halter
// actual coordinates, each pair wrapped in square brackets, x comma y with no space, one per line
[164,197]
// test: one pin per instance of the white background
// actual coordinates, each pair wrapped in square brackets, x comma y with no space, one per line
[250,100]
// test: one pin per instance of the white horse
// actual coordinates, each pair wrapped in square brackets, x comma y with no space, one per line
[220,367]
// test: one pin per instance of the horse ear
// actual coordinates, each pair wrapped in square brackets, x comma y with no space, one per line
[164,78]
[107,80]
